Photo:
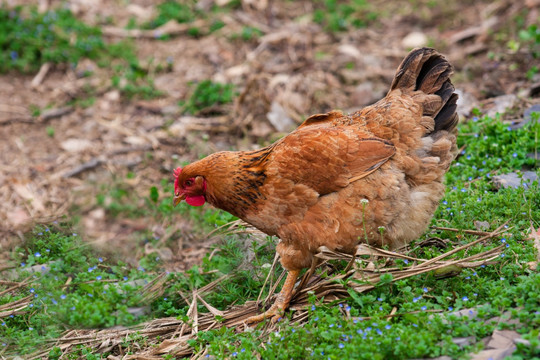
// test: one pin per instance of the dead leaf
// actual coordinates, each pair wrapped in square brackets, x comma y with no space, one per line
[24,191]
[279,118]
[502,339]
[535,237]
[76,145]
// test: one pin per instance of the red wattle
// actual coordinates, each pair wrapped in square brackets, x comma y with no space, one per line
[196,200]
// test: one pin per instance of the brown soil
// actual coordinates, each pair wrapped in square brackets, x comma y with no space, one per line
[295,68]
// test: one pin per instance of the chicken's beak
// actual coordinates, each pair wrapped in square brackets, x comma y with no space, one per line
[178,198]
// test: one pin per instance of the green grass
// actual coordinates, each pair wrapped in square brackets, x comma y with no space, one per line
[29,39]
[186,12]
[100,292]
[207,94]
[337,16]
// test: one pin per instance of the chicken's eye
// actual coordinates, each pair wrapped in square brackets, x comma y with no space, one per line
[189,182]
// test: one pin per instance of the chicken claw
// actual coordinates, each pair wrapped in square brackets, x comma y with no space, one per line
[277,310]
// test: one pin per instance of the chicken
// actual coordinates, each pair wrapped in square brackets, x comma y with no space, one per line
[373,176]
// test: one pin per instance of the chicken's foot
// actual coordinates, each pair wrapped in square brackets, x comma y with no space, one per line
[277,310]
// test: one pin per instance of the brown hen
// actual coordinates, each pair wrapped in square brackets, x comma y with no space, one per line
[337,178]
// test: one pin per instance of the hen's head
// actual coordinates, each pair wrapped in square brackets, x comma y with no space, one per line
[189,187]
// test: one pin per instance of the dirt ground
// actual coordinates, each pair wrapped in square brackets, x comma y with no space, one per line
[294,69]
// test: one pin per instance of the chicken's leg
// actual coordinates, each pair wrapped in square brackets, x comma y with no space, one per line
[277,310]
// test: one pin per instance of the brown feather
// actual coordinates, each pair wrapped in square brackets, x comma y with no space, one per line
[337,178]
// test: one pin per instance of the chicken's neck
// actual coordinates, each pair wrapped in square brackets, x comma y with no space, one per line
[234,179]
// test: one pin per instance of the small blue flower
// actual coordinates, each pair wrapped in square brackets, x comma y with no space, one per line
[348,308]
[450,308]
[406,261]
[465,298]
[341,346]
[379,299]
[32,290]
[445,202]
[3,324]
[316,318]
[468,278]
[54,302]
[359,331]
[100,259]
[423,308]
[425,289]
[331,325]
[31,305]
[48,250]
[379,331]
[23,264]
[125,278]
[165,298]
[415,325]
[313,308]
[98,277]
[63,296]
[243,350]
[502,278]
[90,295]
[475,118]
[388,327]
[37,254]
[340,305]
[503,240]
[502,255]
[73,308]
[140,268]
[74,234]
[475,294]
[234,353]
[30,328]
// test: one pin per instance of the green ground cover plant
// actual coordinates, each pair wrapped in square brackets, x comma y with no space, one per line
[29,39]
[71,286]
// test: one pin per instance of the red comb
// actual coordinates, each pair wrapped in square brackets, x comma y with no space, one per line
[176,174]
[177,171]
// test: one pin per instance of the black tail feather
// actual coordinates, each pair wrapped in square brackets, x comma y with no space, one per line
[428,71]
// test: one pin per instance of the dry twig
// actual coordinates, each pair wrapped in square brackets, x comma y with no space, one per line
[170,335]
